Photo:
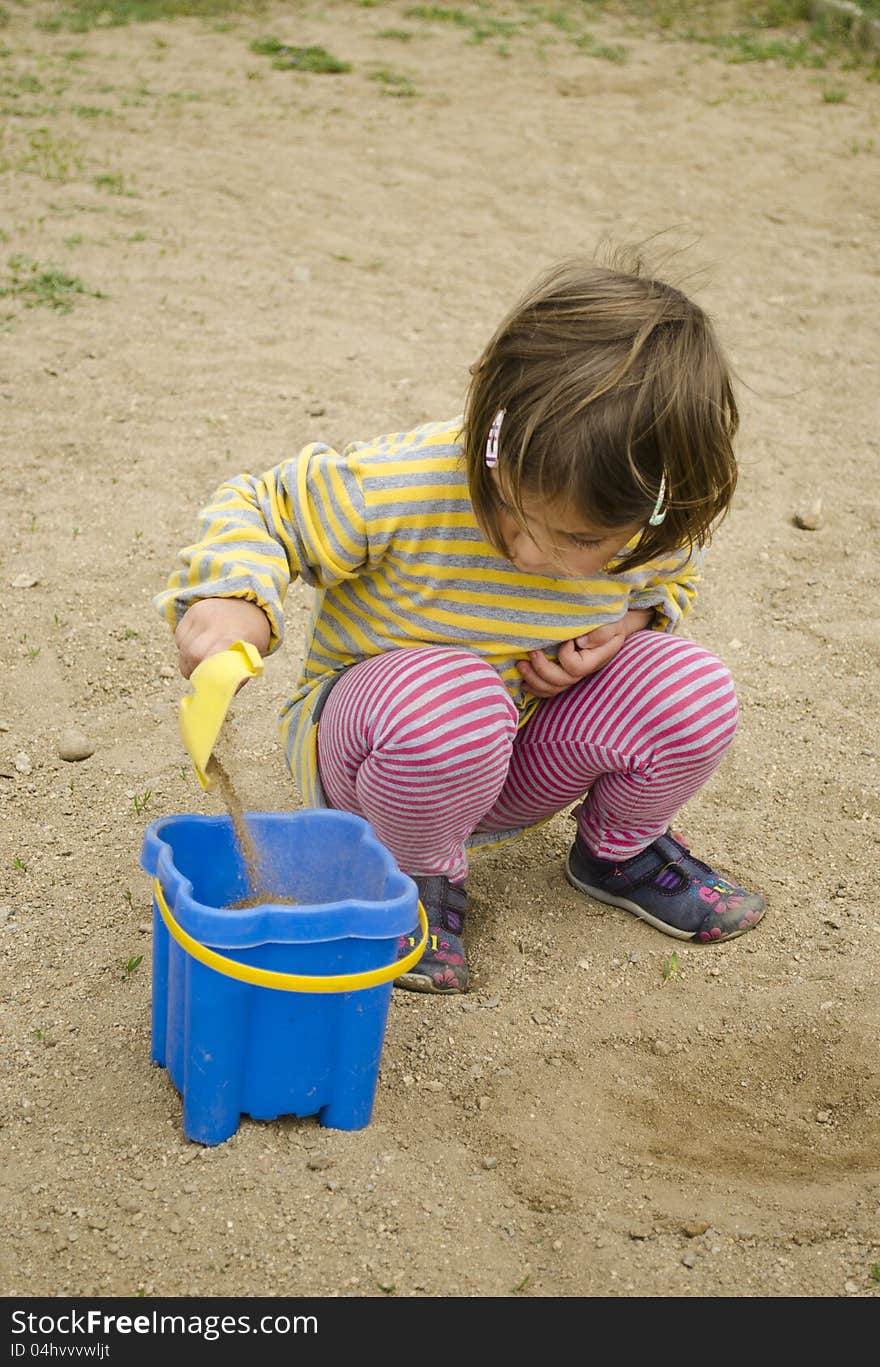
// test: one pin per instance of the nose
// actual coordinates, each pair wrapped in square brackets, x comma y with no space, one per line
[526,552]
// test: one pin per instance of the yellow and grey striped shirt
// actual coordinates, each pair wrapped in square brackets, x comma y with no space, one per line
[386,535]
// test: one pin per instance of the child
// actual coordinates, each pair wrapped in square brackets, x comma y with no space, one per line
[496,600]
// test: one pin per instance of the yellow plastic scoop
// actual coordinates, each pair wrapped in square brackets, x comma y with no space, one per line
[215,682]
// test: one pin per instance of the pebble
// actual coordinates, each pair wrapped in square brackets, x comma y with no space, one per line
[24,581]
[4,725]
[689,1259]
[166,672]
[316,410]
[319,1163]
[490,1162]
[809,517]
[661,1047]
[850,1286]
[640,1232]
[73,745]
[694,1228]
[823,1117]
[5,913]
[22,763]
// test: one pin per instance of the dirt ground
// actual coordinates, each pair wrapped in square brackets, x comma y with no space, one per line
[269,257]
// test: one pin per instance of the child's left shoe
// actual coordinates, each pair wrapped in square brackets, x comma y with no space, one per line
[670,889]
[443,966]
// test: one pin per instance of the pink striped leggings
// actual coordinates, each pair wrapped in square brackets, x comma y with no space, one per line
[424,744]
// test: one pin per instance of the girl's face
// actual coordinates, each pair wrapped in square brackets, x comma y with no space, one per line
[556,540]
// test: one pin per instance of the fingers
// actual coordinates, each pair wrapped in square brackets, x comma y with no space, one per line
[542,676]
[545,678]
[214,624]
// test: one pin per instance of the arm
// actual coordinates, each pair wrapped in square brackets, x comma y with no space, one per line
[302,518]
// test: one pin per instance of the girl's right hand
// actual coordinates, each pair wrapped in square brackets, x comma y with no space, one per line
[214,624]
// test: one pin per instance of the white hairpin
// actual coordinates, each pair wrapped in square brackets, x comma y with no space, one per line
[492,439]
[659,513]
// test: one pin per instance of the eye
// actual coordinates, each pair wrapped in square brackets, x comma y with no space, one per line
[584,543]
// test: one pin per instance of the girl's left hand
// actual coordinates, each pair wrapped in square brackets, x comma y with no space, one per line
[576,659]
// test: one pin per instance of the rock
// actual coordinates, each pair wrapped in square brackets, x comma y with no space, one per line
[689,1259]
[5,913]
[490,1162]
[694,1228]
[73,745]
[809,516]
[22,763]
[317,410]
[823,1117]
[166,672]
[319,1163]
[640,1232]
[24,581]
[661,1047]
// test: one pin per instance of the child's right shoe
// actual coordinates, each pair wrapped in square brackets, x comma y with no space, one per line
[670,889]
[443,966]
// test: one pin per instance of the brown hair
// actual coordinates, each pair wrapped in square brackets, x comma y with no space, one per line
[610,380]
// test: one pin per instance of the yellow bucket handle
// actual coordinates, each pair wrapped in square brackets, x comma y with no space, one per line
[287,982]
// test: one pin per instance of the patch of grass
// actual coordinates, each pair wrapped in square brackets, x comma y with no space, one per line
[875,1272]
[393,83]
[45,155]
[131,965]
[834,94]
[315,59]
[79,16]
[480,24]
[43,286]
[112,183]
[399,35]
[141,801]
[609,52]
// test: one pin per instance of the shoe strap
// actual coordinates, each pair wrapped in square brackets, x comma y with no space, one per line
[443,901]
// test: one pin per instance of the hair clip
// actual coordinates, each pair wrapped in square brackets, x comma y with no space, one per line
[492,439]
[659,513]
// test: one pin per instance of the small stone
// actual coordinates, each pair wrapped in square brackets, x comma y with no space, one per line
[694,1228]
[484,1103]
[5,913]
[4,725]
[319,1163]
[96,1222]
[809,517]
[823,1117]
[166,672]
[73,745]
[850,1287]
[433,1086]
[24,581]
[689,1259]
[489,1163]
[316,410]
[661,1047]
[584,964]
[640,1232]
[833,922]
[735,643]
[22,763]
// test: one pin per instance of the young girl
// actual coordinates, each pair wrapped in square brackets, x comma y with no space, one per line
[496,599]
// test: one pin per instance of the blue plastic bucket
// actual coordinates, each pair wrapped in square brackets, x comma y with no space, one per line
[276,1009]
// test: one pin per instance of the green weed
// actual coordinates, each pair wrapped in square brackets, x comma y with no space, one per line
[141,801]
[671,967]
[129,966]
[315,59]
[45,286]
[111,182]
[18,863]
[834,94]
[875,1272]
[398,35]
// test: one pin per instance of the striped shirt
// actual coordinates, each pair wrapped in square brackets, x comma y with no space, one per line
[385,534]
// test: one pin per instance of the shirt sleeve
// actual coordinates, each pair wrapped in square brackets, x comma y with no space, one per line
[303,518]
[670,588]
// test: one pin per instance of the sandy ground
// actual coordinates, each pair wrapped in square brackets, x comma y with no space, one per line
[283,257]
